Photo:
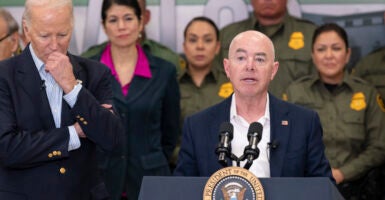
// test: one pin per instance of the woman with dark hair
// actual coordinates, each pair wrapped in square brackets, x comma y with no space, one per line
[146,96]
[351,116]
[203,83]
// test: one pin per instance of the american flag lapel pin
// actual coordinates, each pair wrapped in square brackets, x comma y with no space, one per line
[284,123]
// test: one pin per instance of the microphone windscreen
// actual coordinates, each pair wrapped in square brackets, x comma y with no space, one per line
[227,127]
[255,127]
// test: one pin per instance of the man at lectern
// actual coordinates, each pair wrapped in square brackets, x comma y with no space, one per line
[291,143]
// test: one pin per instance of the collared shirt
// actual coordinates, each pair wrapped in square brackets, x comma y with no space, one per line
[261,165]
[142,67]
[352,121]
[214,88]
[55,95]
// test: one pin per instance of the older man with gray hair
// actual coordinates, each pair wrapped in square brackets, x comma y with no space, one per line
[55,108]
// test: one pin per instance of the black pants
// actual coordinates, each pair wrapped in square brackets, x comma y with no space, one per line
[370,187]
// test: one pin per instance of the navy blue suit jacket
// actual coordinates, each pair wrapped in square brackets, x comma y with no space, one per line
[34,159]
[299,153]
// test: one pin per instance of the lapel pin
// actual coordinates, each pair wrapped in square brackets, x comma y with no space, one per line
[285,122]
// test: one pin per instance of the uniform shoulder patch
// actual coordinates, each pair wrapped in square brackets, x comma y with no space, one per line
[380,103]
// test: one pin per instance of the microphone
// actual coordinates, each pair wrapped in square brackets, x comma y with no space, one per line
[224,145]
[42,86]
[254,135]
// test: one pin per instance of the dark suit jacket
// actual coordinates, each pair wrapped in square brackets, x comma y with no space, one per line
[150,114]
[300,150]
[34,158]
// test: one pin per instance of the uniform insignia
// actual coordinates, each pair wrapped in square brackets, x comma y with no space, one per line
[380,102]
[225,90]
[358,101]
[284,97]
[297,40]
[182,64]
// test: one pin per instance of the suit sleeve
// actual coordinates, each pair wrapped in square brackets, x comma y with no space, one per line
[187,163]
[99,124]
[317,163]
[170,115]
[23,147]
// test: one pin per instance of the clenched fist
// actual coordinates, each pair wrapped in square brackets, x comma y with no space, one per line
[60,67]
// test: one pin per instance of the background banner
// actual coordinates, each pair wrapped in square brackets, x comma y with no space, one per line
[363,20]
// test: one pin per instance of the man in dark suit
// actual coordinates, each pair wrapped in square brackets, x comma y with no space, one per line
[291,143]
[55,108]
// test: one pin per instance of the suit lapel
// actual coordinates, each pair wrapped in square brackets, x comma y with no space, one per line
[138,86]
[29,80]
[280,133]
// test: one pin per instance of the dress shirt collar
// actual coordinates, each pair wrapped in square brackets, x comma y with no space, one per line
[235,116]
[38,63]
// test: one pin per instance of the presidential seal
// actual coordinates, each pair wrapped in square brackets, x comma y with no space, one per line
[233,183]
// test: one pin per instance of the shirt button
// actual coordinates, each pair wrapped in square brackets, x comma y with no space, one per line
[62,170]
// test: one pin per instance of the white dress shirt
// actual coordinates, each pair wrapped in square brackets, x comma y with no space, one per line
[55,99]
[261,165]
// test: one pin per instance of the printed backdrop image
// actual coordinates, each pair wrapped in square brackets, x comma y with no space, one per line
[363,20]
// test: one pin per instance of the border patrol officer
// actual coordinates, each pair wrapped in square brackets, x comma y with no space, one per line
[351,112]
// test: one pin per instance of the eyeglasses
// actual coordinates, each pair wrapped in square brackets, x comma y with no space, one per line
[5,37]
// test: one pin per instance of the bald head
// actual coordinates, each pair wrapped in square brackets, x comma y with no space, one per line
[250,38]
[251,66]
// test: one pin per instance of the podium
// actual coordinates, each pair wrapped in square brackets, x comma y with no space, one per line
[191,188]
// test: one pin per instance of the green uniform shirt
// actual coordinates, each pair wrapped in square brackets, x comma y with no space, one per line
[164,52]
[352,121]
[292,41]
[214,88]
[372,69]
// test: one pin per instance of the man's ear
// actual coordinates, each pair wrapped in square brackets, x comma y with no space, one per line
[275,69]
[226,65]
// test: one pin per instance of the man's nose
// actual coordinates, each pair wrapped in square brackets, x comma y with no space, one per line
[250,65]
[54,43]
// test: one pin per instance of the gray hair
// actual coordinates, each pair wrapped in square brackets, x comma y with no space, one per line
[10,20]
[49,4]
